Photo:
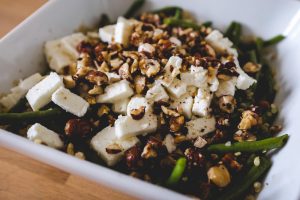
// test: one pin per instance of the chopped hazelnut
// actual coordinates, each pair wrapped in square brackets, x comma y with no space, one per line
[139,84]
[69,82]
[113,148]
[169,112]
[103,110]
[227,103]
[97,78]
[149,67]
[251,67]
[124,71]
[249,119]
[138,113]
[176,123]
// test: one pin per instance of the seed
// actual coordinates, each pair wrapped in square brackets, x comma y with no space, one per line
[256,161]
[257,187]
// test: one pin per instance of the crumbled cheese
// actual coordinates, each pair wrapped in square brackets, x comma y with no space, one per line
[202,102]
[70,102]
[200,127]
[226,87]
[120,106]
[107,137]
[107,33]
[183,105]
[169,143]
[228,144]
[177,88]
[46,136]
[146,47]
[196,77]
[137,102]
[200,142]
[157,93]
[69,44]
[171,70]
[123,31]
[175,41]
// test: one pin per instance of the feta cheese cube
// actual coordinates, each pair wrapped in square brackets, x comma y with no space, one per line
[200,127]
[184,105]
[70,102]
[40,94]
[136,103]
[18,92]
[169,143]
[123,31]
[177,88]
[226,87]
[218,42]
[115,92]
[127,127]
[171,70]
[157,93]
[120,106]
[244,81]
[196,77]
[202,102]
[107,137]
[69,44]
[107,33]
[50,138]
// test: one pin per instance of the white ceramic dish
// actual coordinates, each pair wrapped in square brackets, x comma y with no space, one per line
[22,55]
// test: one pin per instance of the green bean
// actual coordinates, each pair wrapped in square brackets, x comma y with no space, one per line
[137,4]
[207,24]
[177,171]
[274,40]
[252,56]
[29,116]
[181,23]
[240,187]
[170,10]
[178,14]
[234,32]
[253,146]
[104,20]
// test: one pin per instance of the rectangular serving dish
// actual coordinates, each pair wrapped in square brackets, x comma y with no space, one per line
[22,55]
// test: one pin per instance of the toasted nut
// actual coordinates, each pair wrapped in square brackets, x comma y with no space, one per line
[176,123]
[113,148]
[194,157]
[97,77]
[124,71]
[227,71]
[139,84]
[179,138]
[70,69]
[230,160]
[103,67]
[138,113]
[242,136]
[149,67]
[169,112]
[103,110]
[116,63]
[97,90]
[81,72]
[249,119]
[211,52]
[80,155]
[219,175]
[131,54]
[149,152]
[146,47]
[78,127]
[70,149]
[69,82]
[91,99]
[251,67]
[134,66]
[200,142]
[133,157]
[84,60]
[227,103]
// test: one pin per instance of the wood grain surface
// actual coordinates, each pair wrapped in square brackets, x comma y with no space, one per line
[24,178]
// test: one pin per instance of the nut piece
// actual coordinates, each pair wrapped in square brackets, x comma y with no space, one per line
[251,67]
[97,90]
[113,148]
[227,103]
[80,155]
[152,148]
[219,175]
[97,78]
[70,149]
[200,142]
[133,157]
[176,123]
[230,161]
[138,113]
[81,72]
[124,71]
[149,67]
[103,110]
[78,128]
[140,84]
[169,112]
[249,119]
[69,82]
[194,157]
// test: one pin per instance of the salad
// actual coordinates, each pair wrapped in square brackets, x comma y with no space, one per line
[159,97]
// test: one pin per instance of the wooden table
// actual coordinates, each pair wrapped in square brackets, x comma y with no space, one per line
[24,178]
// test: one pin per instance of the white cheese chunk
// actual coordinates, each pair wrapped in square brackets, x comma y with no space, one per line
[212,80]
[175,41]
[69,44]
[107,33]
[200,127]
[115,92]
[40,94]
[120,106]
[202,102]
[123,31]
[112,77]
[177,88]
[169,143]
[184,105]
[157,93]
[127,127]
[56,57]
[171,70]
[146,47]
[48,137]
[70,102]
[244,81]
[226,87]
[18,92]
[196,77]
[218,42]
[136,103]
[108,137]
